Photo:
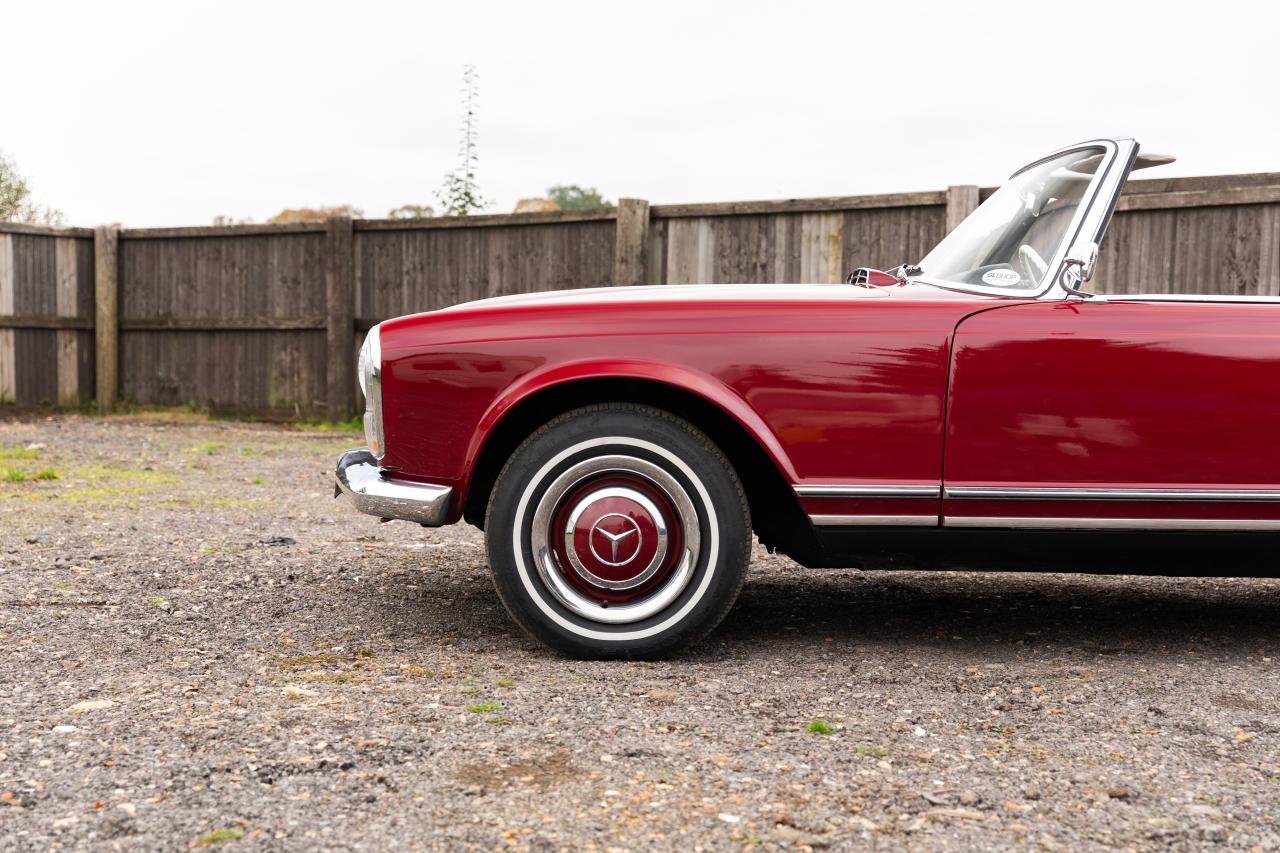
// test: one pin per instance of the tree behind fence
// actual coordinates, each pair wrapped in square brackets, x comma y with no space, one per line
[266,320]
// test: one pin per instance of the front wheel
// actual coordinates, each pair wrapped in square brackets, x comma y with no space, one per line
[618,531]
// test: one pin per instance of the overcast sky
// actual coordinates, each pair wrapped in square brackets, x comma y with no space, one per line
[172,113]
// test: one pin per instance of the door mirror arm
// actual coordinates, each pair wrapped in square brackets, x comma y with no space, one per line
[1079,265]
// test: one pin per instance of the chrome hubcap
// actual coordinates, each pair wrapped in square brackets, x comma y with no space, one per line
[615,539]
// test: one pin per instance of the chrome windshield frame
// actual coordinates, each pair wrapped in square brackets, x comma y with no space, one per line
[1089,223]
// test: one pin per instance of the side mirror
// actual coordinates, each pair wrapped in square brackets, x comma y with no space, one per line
[1079,265]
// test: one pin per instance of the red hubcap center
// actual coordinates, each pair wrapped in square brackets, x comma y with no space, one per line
[616,537]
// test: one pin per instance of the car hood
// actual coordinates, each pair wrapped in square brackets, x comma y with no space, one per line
[678,309]
[709,292]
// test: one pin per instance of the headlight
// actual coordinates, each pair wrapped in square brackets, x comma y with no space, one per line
[369,372]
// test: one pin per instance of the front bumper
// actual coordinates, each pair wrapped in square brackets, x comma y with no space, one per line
[373,492]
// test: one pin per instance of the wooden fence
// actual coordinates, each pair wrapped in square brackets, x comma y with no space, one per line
[266,320]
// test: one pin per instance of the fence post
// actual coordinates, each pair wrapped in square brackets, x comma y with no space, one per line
[961,201]
[339,297]
[630,241]
[106,318]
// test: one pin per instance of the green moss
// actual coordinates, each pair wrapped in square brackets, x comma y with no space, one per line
[209,448]
[353,425]
[219,835]
[486,707]
[819,727]
[219,549]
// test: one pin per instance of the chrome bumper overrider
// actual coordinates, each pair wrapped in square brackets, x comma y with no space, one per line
[373,492]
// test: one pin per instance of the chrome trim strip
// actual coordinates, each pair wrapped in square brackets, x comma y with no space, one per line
[887,491]
[1188,524]
[874,520]
[359,477]
[1105,494]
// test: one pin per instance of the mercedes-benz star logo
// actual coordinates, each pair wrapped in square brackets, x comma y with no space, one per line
[623,528]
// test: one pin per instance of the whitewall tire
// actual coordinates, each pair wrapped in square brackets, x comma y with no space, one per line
[618,531]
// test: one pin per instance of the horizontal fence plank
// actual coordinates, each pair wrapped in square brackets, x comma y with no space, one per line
[45,321]
[1200,198]
[798,205]
[186,232]
[552,217]
[221,324]
[45,230]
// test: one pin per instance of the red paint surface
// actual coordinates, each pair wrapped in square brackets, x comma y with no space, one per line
[1116,394]
[837,383]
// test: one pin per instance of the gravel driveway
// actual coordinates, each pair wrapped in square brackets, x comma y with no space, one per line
[199,646]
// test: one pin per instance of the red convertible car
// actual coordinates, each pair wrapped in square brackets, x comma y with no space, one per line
[620,446]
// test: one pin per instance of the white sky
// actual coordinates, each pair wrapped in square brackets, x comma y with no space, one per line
[171,113]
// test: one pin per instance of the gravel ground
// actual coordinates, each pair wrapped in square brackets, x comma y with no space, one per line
[198,643]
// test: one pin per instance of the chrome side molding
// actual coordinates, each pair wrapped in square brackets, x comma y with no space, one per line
[1105,494]
[874,520]
[885,491]
[1164,524]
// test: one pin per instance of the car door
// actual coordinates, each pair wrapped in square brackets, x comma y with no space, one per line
[1129,413]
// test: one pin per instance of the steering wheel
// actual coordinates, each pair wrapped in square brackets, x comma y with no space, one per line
[1032,262]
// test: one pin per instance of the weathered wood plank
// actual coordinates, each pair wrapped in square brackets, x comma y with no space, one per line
[44,321]
[797,205]
[499,220]
[632,233]
[8,354]
[68,340]
[339,278]
[961,201]
[1200,198]
[43,230]
[107,317]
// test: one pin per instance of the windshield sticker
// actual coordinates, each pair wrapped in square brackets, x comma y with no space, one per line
[1001,278]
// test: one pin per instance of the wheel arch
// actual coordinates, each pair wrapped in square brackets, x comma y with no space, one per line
[755,453]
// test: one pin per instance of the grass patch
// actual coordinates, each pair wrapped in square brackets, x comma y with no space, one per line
[299,661]
[63,585]
[505,682]
[208,448]
[219,835]
[873,752]
[45,474]
[219,549]
[353,425]
[257,480]
[819,727]
[497,721]
[18,453]
[486,707]
[14,475]
[156,601]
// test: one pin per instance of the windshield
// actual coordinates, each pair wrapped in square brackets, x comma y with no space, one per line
[1011,239]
